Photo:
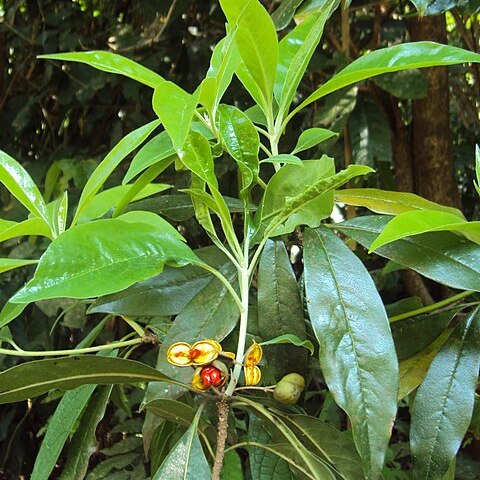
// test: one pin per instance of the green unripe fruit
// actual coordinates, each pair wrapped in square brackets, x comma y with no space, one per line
[289,389]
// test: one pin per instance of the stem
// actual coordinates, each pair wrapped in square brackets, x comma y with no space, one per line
[431,308]
[223,408]
[226,283]
[134,325]
[18,352]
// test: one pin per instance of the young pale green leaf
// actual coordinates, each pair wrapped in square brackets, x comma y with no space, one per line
[109,199]
[110,255]
[477,169]
[280,311]
[441,256]
[311,137]
[7,264]
[243,143]
[111,63]
[154,220]
[422,221]
[357,353]
[295,51]
[186,460]
[390,203]
[284,158]
[196,155]
[211,313]
[84,441]
[256,41]
[123,148]
[31,226]
[443,405]
[392,59]
[155,150]
[175,108]
[291,339]
[61,424]
[21,186]
[35,378]
[290,182]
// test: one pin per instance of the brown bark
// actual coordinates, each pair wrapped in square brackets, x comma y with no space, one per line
[433,167]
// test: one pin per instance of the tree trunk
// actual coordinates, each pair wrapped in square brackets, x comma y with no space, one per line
[433,167]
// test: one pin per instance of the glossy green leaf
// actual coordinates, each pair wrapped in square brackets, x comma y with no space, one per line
[392,59]
[158,148]
[196,155]
[172,411]
[311,137]
[165,294]
[7,264]
[111,63]
[242,142]
[389,202]
[256,40]
[422,221]
[443,405]
[58,210]
[291,181]
[186,460]
[280,311]
[175,108]
[441,256]
[66,415]
[295,51]
[413,369]
[110,255]
[283,15]
[291,339]
[109,199]
[211,313]
[31,226]
[21,186]
[123,148]
[35,378]
[357,354]
[284,158]
[84,441]
[10,312]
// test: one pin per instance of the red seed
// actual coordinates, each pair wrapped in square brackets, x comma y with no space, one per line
[211,376]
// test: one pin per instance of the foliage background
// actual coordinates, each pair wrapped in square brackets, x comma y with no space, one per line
[61,119]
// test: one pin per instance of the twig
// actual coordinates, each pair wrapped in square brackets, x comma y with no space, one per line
[223,409]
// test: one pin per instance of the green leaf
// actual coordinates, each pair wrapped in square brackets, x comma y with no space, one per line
[196,155]
[441,256]
[280,311]
[256,40]
[84,442]
[7,264]
[21,186]
[289,182]
[158,148]
[311,137]
[390,203]
[284,158]
[283,15]
[242,141]
[211,313]
[293,340]
[58,210]
[477,169]
[406,84]
[422,221]
[31,226]
[61,424]
[109,199]
[110,255]
[35,378]
[232,466]
[295,51]
[175,108]
[10,312]
[172,411]
[186,460]
[392,59]
[443,405]
[357,354]
[111,63]
[165,294]
[123,148]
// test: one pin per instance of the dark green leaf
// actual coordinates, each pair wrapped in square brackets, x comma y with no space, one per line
[111,63]
[37,377]
[357,354]
[441,256]
[172,411]
[280,310]
[105,250]
[444,402]
[407,84]
[232,466]
[283,15]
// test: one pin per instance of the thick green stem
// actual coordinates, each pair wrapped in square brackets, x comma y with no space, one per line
[431,308]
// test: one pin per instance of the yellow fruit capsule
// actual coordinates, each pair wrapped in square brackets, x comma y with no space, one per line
[183,354]
[254,354]
[253,375]
[213,375]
